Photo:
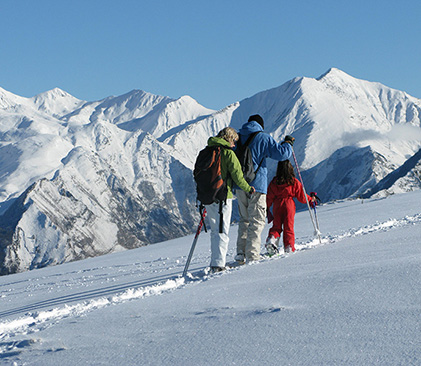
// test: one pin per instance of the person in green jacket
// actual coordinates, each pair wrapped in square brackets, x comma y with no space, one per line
[232,174]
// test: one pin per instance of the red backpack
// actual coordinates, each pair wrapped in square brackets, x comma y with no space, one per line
[207,174]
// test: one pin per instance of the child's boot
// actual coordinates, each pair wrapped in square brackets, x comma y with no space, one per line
[271,246]
[289,248]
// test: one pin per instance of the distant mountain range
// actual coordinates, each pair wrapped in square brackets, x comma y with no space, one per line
[81,179]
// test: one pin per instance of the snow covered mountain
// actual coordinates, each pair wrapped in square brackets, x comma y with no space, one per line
[81,179]
[92,181]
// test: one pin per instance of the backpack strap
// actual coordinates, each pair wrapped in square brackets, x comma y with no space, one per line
[248,141]
[250,138]
[221,202]
[201,210]
[221,218]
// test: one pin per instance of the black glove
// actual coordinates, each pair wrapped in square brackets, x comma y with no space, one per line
[250,192]
[289,139]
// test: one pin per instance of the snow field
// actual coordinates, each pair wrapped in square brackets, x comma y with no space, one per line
[353,300]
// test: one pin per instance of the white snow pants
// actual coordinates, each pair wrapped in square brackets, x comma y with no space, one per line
[219,241]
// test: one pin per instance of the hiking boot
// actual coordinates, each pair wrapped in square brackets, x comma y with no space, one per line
[240,258]
[272,240]
[271,246]
[271,249]
[217,269]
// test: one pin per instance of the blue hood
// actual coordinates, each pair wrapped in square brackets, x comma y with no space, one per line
[250,127]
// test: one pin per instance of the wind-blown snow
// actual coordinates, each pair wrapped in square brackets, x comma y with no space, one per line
[352,300]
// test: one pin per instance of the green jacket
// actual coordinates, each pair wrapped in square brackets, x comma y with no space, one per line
[230,166]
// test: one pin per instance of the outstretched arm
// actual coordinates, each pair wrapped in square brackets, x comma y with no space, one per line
[276,151]
[299,192]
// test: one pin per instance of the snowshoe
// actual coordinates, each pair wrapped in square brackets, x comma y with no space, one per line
[271,249]
[217,269]
[240,258]
[271,246]
[235,264]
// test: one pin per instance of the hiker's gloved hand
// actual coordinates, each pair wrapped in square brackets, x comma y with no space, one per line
[250,192]
[269,216]
[289,139]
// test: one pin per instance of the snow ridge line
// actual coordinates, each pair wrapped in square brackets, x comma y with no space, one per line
[368,229]
[36,321]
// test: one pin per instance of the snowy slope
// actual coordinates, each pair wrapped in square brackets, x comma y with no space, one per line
[406,177]
[360,113]
[125,162]
[353,300]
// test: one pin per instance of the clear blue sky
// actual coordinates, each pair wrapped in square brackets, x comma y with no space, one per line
[218,52]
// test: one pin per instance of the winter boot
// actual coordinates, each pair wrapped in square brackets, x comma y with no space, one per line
[289,249]
[217,269]
[240,258]
[271,246]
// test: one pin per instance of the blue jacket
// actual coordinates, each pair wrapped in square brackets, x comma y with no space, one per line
[263,146]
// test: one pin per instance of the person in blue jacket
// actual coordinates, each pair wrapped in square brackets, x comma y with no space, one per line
[252,209]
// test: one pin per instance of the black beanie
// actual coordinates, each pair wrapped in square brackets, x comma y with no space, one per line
[258,119]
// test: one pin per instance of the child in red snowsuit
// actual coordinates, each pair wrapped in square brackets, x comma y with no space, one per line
[281,191]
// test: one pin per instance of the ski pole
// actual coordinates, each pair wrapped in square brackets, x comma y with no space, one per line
[316,230]
[317,220]
[313,205]
[199,229]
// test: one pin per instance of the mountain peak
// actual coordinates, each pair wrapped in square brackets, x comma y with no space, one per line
[56,102]
[139,92]
[54,93]
[333,72]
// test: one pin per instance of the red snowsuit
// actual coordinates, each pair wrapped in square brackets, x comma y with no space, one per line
[281,196]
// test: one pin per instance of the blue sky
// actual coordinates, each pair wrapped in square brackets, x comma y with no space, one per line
[218,52]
